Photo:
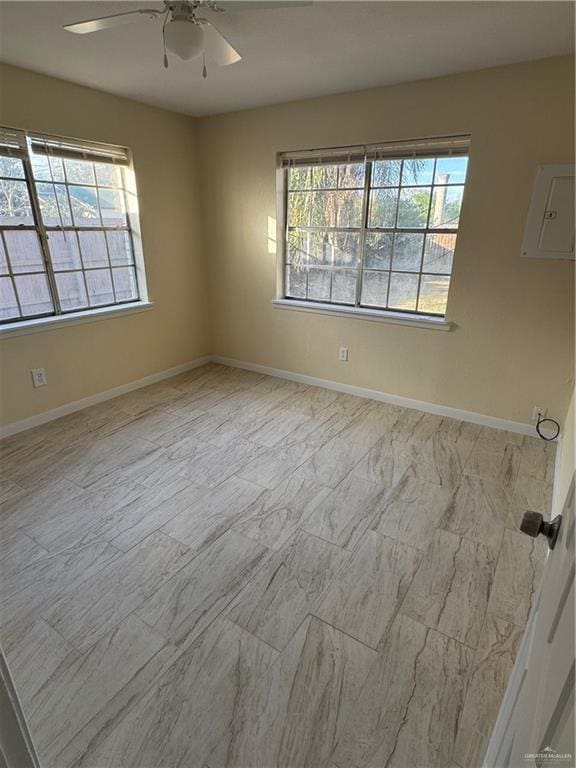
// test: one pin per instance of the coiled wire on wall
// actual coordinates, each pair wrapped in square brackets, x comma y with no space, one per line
[543,420]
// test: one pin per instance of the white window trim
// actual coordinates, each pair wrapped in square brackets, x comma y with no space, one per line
[393,317]
[54,322]
[431,322]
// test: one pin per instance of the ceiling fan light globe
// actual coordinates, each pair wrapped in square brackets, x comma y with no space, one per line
[184,38]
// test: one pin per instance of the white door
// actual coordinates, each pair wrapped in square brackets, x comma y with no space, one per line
[535,726]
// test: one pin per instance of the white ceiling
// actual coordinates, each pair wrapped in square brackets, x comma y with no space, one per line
[295,53]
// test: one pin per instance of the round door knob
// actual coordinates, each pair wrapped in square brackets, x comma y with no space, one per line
[534,524]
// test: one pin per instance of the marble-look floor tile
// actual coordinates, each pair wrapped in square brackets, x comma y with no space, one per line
[199,592]
[301,704]
[408,710]
[364,598]
[440,462]
[532,495]
[278,513]
[35,659]
[143,400]
[40,504]
[387,461]
[215,512]
[82,519]
[273,465]
[493,463]
[372,423]
[17,552]
[537,458]
[214,464]
[412,512]
[181,718]
[85,613]
[451,588]
[334,460]
[479,510]
[317,430]
[285,590]
[8,490]
[347,512]
[416,427]
[493,662]
[518,574]
[26,594]
[80,686]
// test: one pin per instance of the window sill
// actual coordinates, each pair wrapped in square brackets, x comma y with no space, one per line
[361,313]
[73,318]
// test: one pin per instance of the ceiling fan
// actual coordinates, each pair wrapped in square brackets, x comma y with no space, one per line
[184,33]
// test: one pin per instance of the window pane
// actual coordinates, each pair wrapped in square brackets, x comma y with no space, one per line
[418,171]
[54,205]
[84,206]
[324,209]
[300,178]
[383,203]
[374,288]
[403,291]
[15,207]
[407,251]
[413,207]
[439,253]
[386,173]
[319,284]
[319,249]
[79,172]
[34,294]
[24,250]
[64,250]
[112,208]
[350,208]
[446,203]
[125,284]
[433,294]
[345,247]
[351,176]
[297,247]
[99,282]
[296,282]
[93,248]
[325,176]
[3,260]
[344,286]
[108,175]
[299,207]
[378,249]
[71,290]
[8,304]
[47,168]
[120,248]
[451,170]
[12,167]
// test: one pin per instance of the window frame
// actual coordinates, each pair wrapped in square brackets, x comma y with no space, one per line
[18,143]
[435,147]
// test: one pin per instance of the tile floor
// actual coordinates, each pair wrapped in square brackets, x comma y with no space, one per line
[228,570]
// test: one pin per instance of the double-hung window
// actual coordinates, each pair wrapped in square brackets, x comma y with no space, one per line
[373,227]
[69,230]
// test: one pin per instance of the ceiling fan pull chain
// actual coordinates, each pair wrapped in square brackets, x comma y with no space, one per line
[164,40]
[204,70]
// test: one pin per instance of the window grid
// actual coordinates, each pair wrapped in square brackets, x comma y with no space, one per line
[442,275]
[123,267]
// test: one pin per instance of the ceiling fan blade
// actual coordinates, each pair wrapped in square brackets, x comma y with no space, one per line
[258,5]
[217,47]
[95,25]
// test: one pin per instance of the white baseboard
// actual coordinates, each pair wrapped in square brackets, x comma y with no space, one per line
[375,394]
[100,397]
[371,394]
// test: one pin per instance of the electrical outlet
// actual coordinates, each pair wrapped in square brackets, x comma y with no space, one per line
[39,378]
[343,354]
[539,410]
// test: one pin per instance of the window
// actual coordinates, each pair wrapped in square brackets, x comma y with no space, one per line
[373,227]
[68,227]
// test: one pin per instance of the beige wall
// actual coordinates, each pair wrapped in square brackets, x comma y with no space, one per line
[82,360]
[513,343]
